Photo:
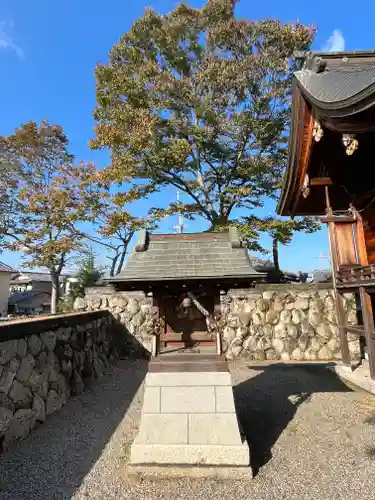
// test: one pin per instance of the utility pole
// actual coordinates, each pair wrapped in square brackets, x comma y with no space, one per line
[180,226]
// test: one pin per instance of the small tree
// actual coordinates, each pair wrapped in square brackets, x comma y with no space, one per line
[88,274]
[200,100]
[49,198]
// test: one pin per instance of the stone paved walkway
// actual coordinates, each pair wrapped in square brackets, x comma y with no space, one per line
[312,437]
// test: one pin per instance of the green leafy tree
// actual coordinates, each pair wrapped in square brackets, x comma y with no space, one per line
[88,274]
[282,231]
[48,198]
[200,100]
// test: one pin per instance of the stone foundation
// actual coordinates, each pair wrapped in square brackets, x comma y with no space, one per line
[275,322]
[285,323]
[44,362]
[188,415]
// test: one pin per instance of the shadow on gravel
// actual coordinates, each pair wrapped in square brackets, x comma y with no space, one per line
[52,462]
[267,402]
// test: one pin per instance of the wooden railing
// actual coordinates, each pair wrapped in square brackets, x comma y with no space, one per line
[356,275]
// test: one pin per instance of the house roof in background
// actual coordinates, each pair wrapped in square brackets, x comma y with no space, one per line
[27,277]
[4,268]
[18,297]
[163,257]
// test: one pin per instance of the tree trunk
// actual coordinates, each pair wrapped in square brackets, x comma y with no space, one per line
[275,253]
[113,265]
[121,263]
[55,292]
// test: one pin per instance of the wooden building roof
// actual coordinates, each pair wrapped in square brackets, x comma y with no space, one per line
[337,90]
[188,256]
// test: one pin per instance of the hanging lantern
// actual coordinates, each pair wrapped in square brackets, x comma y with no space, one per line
[350,143]
[186,303]
[317,131]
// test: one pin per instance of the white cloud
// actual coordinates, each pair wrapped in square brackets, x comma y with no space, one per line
[6,41]
[335,43]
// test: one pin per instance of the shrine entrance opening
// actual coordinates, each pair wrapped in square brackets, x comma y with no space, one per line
[186,325]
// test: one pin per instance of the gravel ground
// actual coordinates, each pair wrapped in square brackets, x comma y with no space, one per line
[312,437]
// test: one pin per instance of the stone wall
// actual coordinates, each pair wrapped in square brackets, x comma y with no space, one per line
[44,361]
[272,322]
[285,322]
[133,313]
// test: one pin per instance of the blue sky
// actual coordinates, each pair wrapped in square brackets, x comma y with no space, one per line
[48,52]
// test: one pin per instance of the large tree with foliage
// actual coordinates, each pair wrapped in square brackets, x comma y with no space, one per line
[48,199]
[200,100]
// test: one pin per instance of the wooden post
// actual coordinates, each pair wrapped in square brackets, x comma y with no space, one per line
[340,312]
[156,338]
[368,322]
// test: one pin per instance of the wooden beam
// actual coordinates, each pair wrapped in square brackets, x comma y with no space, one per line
[321,181]
[337,220]
[304,158]
[368,322]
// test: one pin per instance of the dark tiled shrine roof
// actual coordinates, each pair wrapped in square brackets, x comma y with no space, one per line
[159,257]
[337,79]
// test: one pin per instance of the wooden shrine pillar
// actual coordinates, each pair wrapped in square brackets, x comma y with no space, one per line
[340,311]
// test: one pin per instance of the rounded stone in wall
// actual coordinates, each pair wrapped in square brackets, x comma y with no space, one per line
[267,331]
[301,303]
[309,355]
[333,344]
[132,307]
[325,353]
[297,316]
[249,305]
[236,347]
[315,345]
[245,317]
[278,345]
[297,354]
[263,305]
[286,317]
[233,321]
[280,331]
[34,344]
[290,345]
[242,332]
[258,318]
[272,317]
[259,355]
[303,341]
[22,348]
[250,344]
[324,331]
[268,294]
[292,331]
[271,354]
[229,333]
[285,356]
[278,304]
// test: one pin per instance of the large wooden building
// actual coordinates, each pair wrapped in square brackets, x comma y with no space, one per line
[331,174]
[175,267]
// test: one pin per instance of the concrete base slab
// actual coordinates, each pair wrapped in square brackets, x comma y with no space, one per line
[235,455]
[223,472]
[359,376]
[189,417]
